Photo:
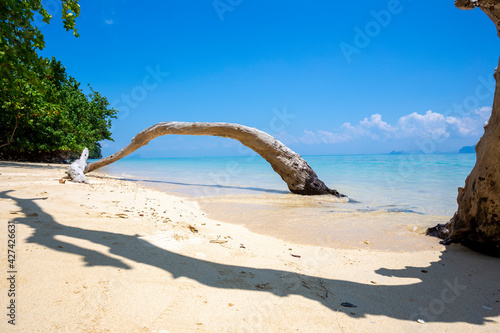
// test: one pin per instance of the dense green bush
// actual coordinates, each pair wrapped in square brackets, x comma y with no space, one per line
[44,113]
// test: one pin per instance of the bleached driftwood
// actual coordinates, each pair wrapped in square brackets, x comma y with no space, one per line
[296,172]
[76,170]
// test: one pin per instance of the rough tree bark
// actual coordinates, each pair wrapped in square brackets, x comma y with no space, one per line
[476,223]
[296,172]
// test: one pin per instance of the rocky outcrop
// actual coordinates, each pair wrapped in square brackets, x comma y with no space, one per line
[296,172]
[477,220]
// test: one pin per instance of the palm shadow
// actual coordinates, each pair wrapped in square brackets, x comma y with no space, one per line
[442,283]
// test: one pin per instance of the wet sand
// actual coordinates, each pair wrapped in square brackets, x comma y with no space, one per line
[318,221]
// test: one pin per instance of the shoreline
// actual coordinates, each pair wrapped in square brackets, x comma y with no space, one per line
[308,220]
[115,255]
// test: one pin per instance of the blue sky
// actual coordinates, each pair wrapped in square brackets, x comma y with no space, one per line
[325,77]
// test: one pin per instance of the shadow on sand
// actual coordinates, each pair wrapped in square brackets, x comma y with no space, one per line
[32,166]
[442,284]
[257,189]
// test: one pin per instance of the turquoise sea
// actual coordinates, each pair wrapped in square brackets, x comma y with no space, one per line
[393,198]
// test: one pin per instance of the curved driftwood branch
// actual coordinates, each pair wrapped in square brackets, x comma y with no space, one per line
[297,174]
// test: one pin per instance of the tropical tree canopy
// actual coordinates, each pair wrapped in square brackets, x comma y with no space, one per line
[45,115]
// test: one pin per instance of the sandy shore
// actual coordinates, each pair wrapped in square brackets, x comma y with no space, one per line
[115,257]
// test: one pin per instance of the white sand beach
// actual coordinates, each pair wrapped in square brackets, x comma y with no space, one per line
[113,256]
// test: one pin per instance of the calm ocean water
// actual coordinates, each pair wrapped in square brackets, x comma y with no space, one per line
[394,198]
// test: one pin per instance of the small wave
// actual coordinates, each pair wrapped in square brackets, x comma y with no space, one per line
[288,199]
[397,210]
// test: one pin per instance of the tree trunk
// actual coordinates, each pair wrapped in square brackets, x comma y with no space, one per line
[297,174]
[477,221]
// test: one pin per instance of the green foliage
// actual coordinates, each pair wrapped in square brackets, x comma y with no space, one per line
[52,113]
[20,39]
[43,110]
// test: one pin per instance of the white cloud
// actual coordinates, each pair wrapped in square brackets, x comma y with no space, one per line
[329,137]
[376,122]
[109,21]
[431,125]
[310,137]
[484,111]
[428,125]
[285,137]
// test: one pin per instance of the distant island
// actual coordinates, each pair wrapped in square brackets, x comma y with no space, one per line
[467,150]
[402,152]
[463,150]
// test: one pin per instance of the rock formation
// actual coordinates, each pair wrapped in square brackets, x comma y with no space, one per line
[296,172]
